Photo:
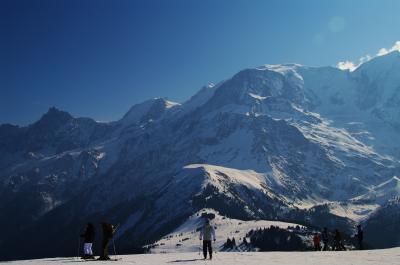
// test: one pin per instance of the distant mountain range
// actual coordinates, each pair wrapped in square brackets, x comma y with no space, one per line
[309,145]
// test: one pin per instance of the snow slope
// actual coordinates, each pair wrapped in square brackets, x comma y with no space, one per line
[186,237]
[382,192]
[368,257]
[355,211]
[149,110]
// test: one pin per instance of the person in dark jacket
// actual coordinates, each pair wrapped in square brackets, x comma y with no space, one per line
[108,232]
[338,241]
[207,233]
[360,237]
[325,238]
[88,238]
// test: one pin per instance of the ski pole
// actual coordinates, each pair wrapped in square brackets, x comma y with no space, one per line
[115,230]
[115,253]
[199,246]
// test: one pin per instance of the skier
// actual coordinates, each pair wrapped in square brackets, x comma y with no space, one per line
[317,242]
[338,241]
[88,238]
[108,232]
[360,237]
[325,238]
[207,233]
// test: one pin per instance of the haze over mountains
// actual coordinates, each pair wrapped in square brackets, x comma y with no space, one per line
[311,145]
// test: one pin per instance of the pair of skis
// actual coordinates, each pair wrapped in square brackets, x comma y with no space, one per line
[115,259]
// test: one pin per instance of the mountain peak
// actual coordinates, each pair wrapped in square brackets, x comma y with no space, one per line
[151,109]
[252,88]
[280,68]
[55,111]
[53,118]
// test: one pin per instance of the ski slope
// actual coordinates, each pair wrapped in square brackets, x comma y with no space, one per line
[368,257]
[186,237]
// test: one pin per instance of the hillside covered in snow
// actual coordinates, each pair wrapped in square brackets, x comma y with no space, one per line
[186,237]
[314,146]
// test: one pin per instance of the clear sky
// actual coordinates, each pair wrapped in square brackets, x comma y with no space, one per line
[97,58]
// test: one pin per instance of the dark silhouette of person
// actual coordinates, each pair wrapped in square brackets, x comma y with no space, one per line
[325,238]
[360,237]
[108,232]
[338,241]
[88,238]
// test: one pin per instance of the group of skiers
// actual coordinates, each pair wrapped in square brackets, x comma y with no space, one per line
[88,239]
[207,235]
[337,240]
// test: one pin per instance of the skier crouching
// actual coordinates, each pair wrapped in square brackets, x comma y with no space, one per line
[207,234]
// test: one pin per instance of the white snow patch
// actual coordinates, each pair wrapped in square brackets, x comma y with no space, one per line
[354,211]
[248,178]
[257,96]
[170,104]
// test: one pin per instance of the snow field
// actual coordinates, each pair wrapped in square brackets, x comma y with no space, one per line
[368,257]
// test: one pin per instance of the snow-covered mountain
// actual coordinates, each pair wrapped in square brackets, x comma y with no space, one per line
[381,193]
[316,146]
[150,110]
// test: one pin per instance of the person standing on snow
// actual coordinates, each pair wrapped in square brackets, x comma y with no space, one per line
[317,242]
[88,238]
[207,234]
[325,238]
[338,241]
[108,232]
[360,237]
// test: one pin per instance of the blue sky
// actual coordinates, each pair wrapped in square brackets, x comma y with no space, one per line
[97,58]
